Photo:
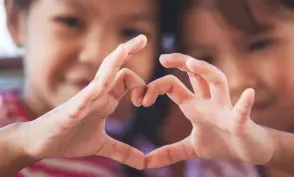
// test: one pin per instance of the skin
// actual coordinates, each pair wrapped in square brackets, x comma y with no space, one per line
[233,134]
[58,82]
[67,41]
[262,61]
[77,127]
[75,119]
[238,136]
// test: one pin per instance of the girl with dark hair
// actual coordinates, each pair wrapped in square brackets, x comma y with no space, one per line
[65,43]
[251,42]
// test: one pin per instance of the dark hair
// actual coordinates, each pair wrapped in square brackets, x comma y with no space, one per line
[146,120]
[238,13]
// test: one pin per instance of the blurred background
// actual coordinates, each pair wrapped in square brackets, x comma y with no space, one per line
[10,57]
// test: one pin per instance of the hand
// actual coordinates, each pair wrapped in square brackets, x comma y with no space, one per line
[220,130]
[77,127]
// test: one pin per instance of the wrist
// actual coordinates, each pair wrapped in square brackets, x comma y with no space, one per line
[277,149]
[14,158]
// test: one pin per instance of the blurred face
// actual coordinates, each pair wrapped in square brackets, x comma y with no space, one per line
[263,61]
[66,42]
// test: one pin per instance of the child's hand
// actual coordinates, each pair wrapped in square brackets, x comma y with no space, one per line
[77,127]
[220,130]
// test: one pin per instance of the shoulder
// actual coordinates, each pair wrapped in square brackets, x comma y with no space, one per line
[75,167]
[11,108]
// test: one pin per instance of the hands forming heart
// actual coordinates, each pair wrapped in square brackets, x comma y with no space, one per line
[220,130]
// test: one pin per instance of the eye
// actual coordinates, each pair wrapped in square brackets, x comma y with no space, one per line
[71,22]
[260,44]
[131,33]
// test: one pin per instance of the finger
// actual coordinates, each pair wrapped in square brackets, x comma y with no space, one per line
[71,112]
[128,80]
[200,86]
[169,85]
[112,63]
[214,76]
[122,153]
[177,60]
[170,154]
[244,105]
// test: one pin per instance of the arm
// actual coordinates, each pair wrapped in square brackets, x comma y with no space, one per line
[12,157]
[283,157]
[77,127]
[232,134]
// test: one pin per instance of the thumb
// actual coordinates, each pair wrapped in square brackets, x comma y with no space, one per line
[244,105]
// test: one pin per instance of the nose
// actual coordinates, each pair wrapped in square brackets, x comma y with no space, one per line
[95,48]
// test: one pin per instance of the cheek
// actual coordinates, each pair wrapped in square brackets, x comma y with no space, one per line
[277,71]
[47,58]
[285,81]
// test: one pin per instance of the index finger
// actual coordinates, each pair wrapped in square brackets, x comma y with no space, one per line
[175,60]
[113,62]
[191,65]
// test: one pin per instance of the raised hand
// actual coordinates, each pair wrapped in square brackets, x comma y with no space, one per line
[220,130]
[77,127]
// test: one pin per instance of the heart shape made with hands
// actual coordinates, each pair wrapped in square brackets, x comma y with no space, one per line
[77,127]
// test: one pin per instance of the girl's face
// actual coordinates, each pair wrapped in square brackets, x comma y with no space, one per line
[66,41]
[263,60]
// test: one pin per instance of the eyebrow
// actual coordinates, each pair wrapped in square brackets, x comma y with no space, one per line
[262,29]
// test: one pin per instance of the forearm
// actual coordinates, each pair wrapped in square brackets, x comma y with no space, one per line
[283,157]
[12,157]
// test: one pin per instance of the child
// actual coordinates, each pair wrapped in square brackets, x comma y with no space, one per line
[72,129]
[71,108]
[226,132]
[252,43]
[65,43]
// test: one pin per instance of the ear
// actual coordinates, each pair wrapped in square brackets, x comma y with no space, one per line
[15,21]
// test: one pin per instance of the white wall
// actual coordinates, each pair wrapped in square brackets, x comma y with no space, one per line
[7,48]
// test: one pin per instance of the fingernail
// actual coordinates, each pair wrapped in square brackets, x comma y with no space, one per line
[135,41]
[191,60]
[138,38]
[162,56]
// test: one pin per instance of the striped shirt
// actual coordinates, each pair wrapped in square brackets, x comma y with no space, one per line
[12,110]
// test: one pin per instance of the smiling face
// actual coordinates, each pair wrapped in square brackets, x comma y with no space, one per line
[67,40]
[263,60]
